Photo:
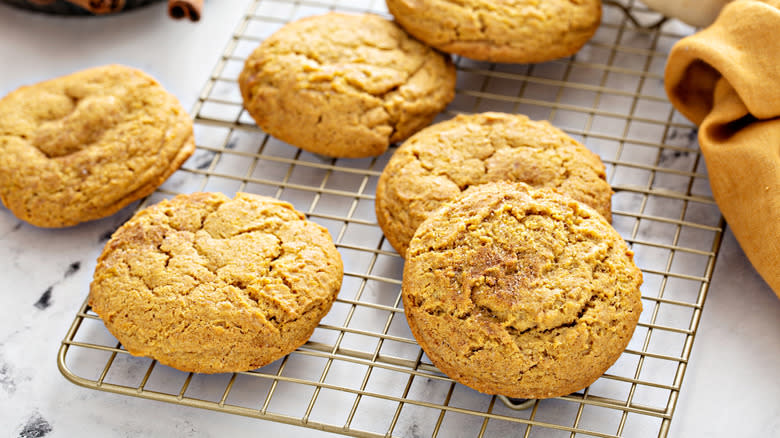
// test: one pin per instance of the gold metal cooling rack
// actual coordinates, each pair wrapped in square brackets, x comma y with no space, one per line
[362,373]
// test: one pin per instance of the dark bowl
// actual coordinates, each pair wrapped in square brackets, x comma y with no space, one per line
[62,7]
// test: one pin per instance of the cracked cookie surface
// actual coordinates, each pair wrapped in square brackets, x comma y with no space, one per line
[521,292]
[207,284]
[522,31]
[82,146]
[439,162]
[345,85]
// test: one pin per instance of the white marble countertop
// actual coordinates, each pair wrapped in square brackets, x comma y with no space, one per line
[731,384]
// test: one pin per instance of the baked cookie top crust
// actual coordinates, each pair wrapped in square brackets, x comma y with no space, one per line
[439,162]
[520,292]
[82,146]
[345,85]
[521,31]
[206,283]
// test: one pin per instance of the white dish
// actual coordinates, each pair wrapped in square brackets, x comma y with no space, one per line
[699,13]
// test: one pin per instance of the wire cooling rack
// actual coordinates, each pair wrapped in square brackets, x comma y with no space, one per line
[362,373]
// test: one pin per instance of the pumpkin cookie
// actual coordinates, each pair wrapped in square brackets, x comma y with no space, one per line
[81,147]
[520,292]
[520,31]
[207,284]
[345,85]
[439,162]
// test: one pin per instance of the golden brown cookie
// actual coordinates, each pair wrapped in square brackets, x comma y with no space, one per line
[520,31]
[345,85]
[520,292]
[82,146]
[438,163]
[205,283]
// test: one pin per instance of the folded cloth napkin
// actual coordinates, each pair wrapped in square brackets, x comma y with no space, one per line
[726,79]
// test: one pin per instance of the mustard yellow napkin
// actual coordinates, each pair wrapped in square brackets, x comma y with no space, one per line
[726,79]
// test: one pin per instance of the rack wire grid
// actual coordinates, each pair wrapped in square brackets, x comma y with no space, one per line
[362,373]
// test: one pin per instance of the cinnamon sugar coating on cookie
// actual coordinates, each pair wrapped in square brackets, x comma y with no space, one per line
[520,292]
[207,284]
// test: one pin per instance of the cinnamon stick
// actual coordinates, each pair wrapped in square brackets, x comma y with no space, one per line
[100,6]
[179,9]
